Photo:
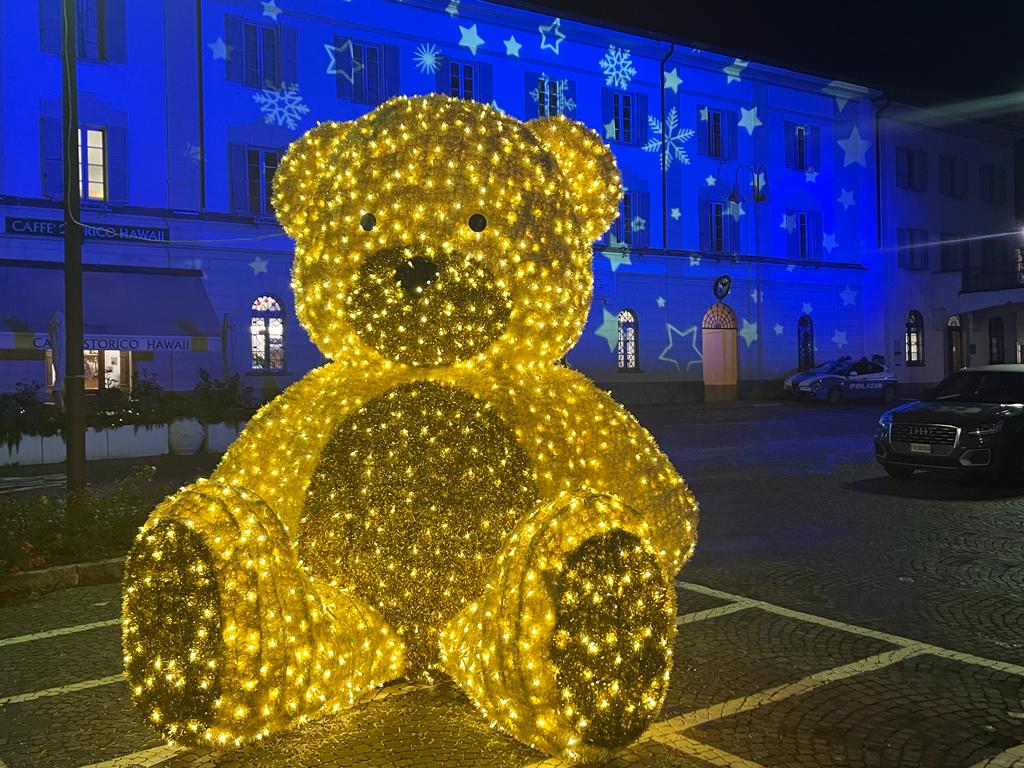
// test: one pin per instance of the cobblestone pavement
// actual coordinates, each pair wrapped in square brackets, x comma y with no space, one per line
[831,617]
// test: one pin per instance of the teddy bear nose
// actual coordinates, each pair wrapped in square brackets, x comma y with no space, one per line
[415,275]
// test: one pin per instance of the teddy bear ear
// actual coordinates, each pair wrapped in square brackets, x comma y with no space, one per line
[589,166]
[300,171]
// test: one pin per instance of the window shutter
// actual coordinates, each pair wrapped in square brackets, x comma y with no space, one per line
[704,208]
[485,84]
[569,94]
[444,74]
[288,42]
[251,56]
[114,21]
[729,120]
[790,144]
[923,255]
[532,107]
[793,237]
[233,39]
[902,167]
[391,83]
[731,231]
[702,132]
[53,159]
[346,90]
[816,245]
[813,139]
[642,207]
[640,120]
[117,164]
[237,178]
[607,112]
[49,25]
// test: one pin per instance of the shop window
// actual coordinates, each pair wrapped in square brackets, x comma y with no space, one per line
[716,133]
[366,73]
[995,341]
[912,249]
[992,186]
[803,235]
[953,176]
[466,80]
[266,332]
[549,96]
[911,169]
[105,369]
[252,172]
[100,28]
[631,226]
[803,147]
[260,55]
[915,338]
[805,343]
[719,227]
[628,342]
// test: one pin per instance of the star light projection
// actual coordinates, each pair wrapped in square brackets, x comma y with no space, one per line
[441,497]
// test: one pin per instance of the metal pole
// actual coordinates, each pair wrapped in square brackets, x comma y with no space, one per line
[74,376]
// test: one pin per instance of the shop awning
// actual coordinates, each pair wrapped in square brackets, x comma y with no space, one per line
[142,309]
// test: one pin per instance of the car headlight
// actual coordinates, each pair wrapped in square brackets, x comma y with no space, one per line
[885,420]
[986,429]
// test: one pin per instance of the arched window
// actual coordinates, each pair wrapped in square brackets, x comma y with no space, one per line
[266,334]
[719,316]
[995,340]
[805,343]
[915,338]
[629,339]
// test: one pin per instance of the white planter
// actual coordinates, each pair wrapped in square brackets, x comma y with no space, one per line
[96,444]
[54,449]
[132,441]
[185,436]
[28,451]
[220,435]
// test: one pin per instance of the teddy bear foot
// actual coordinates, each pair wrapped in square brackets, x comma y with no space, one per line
[570,648]
[225,637]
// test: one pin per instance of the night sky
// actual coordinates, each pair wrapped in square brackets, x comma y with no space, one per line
[919,52]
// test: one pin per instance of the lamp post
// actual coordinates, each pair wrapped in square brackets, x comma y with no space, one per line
[757,175]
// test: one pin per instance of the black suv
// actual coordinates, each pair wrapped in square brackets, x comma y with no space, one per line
[971,422]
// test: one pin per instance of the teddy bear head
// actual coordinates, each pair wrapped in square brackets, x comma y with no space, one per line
[441,232]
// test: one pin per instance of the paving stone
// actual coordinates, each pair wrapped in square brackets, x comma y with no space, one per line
[64,608]
[59,661]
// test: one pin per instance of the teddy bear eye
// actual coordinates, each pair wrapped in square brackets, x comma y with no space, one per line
[368,221]
[477,222]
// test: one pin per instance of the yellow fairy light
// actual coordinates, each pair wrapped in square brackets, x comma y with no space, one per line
[441,496]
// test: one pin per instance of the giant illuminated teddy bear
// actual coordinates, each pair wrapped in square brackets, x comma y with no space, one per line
[442,496]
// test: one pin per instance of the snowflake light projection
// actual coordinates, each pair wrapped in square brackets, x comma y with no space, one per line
[441,495]
[617,66]
[427,58]
[281,106]
[564,102]
[673,136]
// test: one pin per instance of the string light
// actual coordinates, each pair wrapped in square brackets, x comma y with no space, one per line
[441,496]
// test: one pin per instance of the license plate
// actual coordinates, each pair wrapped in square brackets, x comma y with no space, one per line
[920,448]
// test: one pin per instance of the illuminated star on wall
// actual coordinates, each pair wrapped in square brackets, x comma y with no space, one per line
[616,253]
[258,265]
[748,332]
[675,213]
[704,114]
[661,301]
[854,148]
[512,46]
[609,129]
[844,92]
[554,29]
[778,329]
[839,338]
[692,333]
[828,241]
[343,61]
[807,308]
[609,329]
[710,180]
[846,199]
[271,9]
[672,80]
[749,120]
[811,175]
[788,222]
[220,49]
[849,296]
[695,261]
[732,71]
[470,39]
[453,8]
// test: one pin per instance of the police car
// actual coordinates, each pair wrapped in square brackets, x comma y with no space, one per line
[791,383]
[862,380]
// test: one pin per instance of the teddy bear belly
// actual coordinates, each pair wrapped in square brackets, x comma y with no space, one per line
[410,502]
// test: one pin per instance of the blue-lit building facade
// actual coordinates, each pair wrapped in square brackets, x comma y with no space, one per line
[774,178]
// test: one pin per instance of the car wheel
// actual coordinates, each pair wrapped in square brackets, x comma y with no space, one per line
[835,395]
[897,472]
[888,395]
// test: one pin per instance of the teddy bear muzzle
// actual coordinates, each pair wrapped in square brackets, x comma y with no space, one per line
[425,307]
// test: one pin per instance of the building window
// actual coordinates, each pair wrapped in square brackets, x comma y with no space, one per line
[953,176]
[252,172]
[260,55]
[954,253]
[992,186]
[803,147]
[911,169]
[719,226]
[915,338]
[266,332]
[92,163]
[631,226]
[805,343]
[804,238]
[90,29]
[549,96]
[625,116]
[628,341]
[912,248]
[995,341]
[466,80]
[366,73]
[716,133]
[100,28]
